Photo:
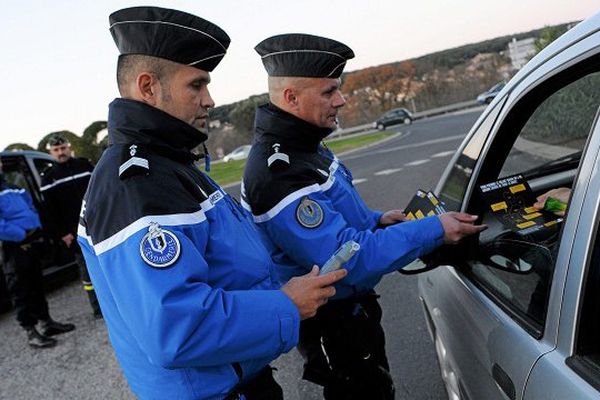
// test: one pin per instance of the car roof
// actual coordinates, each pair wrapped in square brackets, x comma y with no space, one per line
[25,153]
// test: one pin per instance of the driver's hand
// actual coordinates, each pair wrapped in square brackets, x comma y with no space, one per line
[560,194]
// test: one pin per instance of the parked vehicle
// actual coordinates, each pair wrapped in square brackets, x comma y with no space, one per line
[487,96]
[25,169]
[241,153]
[515,316]
[393,117]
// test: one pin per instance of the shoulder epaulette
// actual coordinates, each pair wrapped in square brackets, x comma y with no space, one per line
[134,161]
[277,158]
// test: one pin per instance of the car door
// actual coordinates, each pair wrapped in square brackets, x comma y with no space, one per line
[572,369]
[491,325]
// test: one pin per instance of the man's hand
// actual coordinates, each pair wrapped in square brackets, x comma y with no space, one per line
[459,225]
[392,217]
[561,194]
[68,239]
[311,291]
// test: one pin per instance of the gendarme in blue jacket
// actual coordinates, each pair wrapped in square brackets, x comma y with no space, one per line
[184,282]
[302,196]
[17,213]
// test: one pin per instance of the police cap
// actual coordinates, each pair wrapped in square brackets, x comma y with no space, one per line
[56,139]
[302,55]
[170,34]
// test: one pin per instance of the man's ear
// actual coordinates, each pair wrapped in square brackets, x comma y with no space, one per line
[147,88]
[290,97]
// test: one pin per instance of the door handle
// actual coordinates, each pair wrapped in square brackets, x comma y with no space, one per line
[503,381]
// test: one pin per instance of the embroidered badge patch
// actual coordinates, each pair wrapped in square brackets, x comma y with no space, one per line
[309,213]
[159,247]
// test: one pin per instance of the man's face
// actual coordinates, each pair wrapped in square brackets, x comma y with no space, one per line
[185,96]
[61,152]
[319,100]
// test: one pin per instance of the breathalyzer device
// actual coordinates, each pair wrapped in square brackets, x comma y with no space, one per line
[340,257]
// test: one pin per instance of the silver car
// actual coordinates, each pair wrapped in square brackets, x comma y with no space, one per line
[516,315]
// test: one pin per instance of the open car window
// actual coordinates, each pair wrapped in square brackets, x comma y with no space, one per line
[538,147]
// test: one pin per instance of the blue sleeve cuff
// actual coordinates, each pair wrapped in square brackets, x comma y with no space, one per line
[376,217]
[434,229]
[289,322]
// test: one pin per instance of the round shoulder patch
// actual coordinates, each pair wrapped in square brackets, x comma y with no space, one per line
[159,247]
[309,213]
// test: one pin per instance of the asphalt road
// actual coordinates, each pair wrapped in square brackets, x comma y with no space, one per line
[82,365]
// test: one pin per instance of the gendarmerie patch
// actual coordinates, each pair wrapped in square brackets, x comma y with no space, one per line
[309,213]
[159,247]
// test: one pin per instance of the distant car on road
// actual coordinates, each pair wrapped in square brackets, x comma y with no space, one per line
[513,312]
[393,117]
[487,96]
[241,153]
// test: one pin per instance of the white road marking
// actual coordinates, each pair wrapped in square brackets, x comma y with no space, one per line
[418,162]
[444,153]
[388,171]
[403,147]
[359,180]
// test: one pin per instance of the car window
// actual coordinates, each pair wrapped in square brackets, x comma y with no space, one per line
[557,129]
[14,172]
[455,186]
[42,165]
[539,143]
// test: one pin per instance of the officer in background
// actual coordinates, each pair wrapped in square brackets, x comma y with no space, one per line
[63,187]
[179,267]
[302,197]
[21,236]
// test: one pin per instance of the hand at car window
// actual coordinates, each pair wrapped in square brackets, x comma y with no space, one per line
[561,194]
[459,225]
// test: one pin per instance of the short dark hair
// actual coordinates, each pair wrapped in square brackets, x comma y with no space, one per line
[129,65]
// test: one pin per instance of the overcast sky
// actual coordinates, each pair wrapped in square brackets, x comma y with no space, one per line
[58,58]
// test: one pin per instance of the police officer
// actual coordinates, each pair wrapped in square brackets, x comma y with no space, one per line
[20,234]
[181,273]
[63,187]
[303,198]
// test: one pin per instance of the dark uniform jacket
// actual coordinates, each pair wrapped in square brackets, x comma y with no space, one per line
[303,198]
[63,187]
[183,278]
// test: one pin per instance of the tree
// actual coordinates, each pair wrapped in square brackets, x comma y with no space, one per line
[547,36]
[242,116]
[18,146]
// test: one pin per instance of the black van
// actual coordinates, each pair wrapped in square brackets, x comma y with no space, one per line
[25,170]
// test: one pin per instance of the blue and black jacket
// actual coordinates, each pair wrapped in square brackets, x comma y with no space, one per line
[184,281]
[18,216]
[303,198]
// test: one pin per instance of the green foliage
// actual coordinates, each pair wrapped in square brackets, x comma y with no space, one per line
[242,116]
[566,117]
[548,35]
[18,146]
[86,145]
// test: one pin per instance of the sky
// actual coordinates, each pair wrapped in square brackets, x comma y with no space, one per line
[58,60]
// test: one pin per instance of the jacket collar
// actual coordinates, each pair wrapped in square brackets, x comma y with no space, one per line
[282,126]
[134,122]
